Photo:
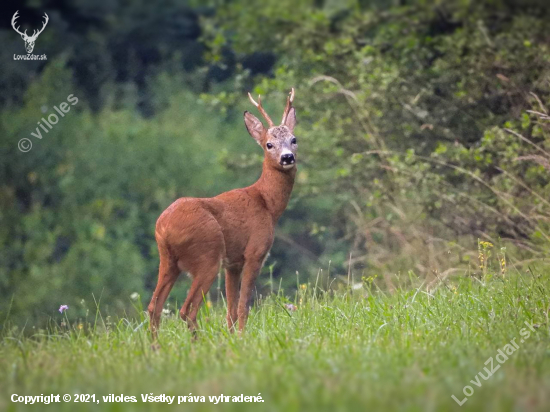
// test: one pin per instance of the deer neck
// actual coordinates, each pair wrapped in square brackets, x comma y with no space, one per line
[275,187]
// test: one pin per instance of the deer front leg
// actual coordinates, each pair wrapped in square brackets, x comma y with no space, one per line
[250,273]
[232,277]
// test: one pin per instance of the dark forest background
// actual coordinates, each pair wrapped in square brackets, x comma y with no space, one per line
[423,128]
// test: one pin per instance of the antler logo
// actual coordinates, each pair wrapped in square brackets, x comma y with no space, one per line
[29,40]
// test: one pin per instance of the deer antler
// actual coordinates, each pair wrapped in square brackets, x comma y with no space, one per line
[34,36]
[261,109]
[14,18]
[289,101]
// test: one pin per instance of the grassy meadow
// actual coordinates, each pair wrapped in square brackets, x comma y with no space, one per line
[356,348]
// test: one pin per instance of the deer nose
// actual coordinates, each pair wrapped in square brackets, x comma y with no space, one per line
[287,159]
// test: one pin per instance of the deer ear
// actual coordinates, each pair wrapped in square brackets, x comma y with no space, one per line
[254,127]
[290,121]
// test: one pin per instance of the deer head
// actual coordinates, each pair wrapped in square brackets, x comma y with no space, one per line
[278,142]
[29,40]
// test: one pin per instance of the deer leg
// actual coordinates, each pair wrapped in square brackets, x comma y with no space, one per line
[168,273]
[202,259]
[232,277]
[202,281]
[250,273]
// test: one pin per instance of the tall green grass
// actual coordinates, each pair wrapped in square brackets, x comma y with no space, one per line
[356,348]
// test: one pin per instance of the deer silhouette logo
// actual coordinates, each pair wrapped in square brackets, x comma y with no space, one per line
[29,40]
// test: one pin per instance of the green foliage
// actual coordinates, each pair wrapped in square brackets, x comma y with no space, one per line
[84,201]
[414,132]
[402,122]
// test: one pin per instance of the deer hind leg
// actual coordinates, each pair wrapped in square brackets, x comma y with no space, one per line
[232,278]
[203,261]
[168,274]
[202,281]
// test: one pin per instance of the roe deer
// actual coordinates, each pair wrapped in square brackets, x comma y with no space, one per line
[235,228]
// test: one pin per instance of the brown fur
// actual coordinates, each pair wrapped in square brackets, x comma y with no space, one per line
[235,229]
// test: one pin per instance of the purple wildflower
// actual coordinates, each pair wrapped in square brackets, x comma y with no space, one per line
[290,307]
[63,308]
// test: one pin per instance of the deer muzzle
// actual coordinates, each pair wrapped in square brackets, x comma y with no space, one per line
[287,160]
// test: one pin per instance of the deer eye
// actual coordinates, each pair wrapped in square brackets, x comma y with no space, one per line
[269,146]
[293,141]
